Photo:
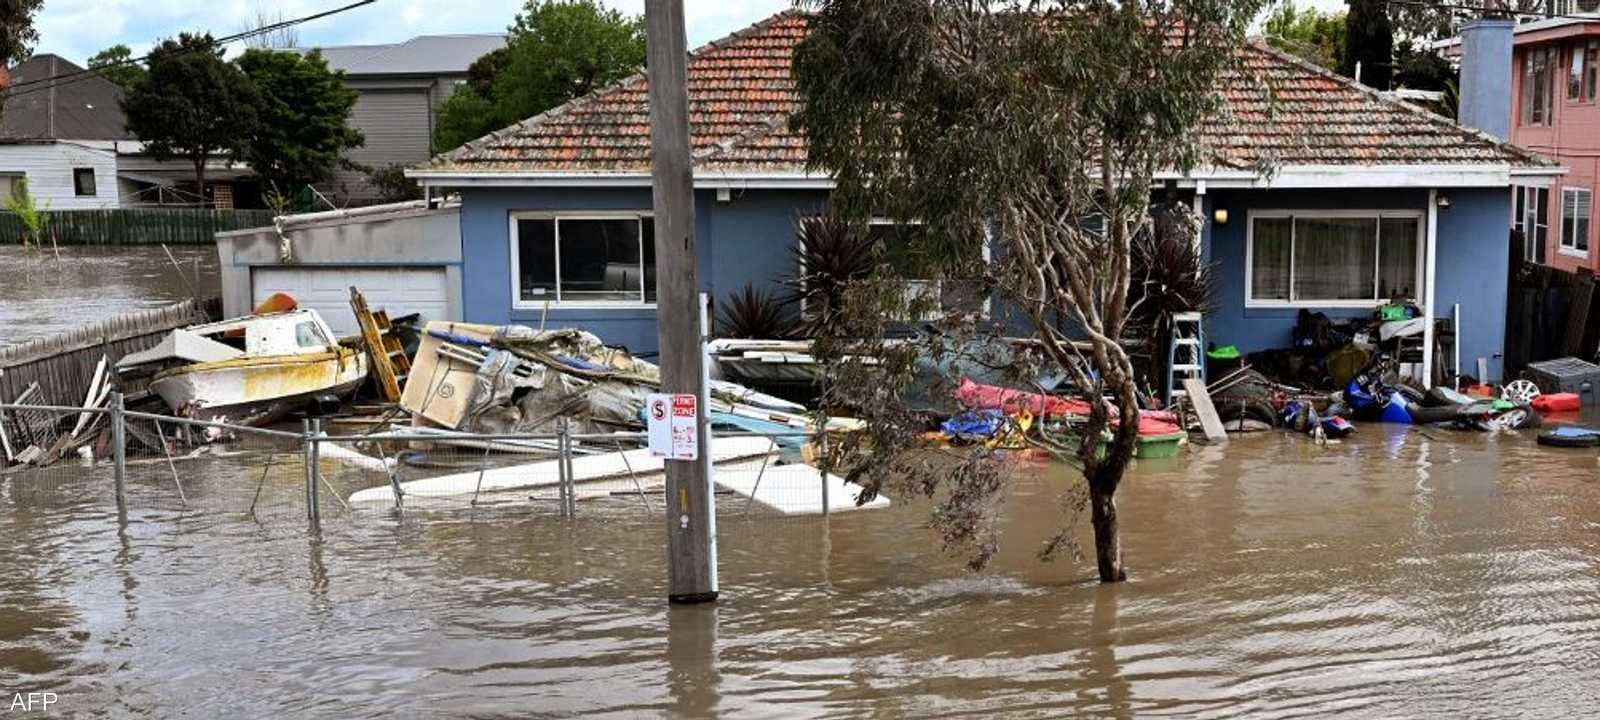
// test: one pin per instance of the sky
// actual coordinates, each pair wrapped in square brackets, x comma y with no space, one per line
[76,29]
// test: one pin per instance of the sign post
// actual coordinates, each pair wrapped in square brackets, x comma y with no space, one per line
[691,529]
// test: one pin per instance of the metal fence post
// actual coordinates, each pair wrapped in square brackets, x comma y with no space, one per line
[313,513]
[822,469]
[563,470]
[119,451]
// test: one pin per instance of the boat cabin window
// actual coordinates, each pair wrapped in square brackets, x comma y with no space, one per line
[307,335]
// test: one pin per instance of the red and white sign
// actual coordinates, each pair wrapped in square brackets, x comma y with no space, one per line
[672,426]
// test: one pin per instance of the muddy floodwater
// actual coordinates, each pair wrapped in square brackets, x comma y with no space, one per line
[40,296]
[1404,573]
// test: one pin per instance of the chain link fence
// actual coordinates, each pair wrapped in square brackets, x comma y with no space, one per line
[144,461]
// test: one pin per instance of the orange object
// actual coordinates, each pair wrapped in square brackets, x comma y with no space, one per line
[276,303]
[1558,402]
[1482,391]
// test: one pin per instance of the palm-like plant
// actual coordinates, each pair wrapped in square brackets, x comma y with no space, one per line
[831,254]
[754,314]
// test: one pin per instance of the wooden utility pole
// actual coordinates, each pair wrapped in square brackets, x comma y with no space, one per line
[691,516]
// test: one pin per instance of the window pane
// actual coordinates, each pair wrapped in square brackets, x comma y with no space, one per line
[1584,202]
[1335,258]
[1590,57]
[1541,222]
[1575,73]
[306,335]
[1269,259]
[1569,216]
[600,260]
[649,259]
[900,248]
[1397,259]
[536,259]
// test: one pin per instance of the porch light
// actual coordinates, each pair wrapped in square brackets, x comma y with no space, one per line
[1444,201]
[1220,216]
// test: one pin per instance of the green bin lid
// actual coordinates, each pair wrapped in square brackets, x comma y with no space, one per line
[1226,352]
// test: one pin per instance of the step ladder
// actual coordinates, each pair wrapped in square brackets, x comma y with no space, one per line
[392,347]
[1186,354]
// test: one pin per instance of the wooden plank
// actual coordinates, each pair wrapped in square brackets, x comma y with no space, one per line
[1201,401]
[382,369]
[1578,315]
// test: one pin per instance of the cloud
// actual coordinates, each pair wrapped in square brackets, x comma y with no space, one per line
[76,29]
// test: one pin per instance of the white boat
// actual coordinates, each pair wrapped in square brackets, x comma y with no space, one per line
[286,360]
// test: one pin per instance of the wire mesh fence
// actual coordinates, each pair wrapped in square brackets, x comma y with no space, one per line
[157,462]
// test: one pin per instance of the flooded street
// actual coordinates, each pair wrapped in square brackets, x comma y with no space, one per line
[1403,573]
[96,283]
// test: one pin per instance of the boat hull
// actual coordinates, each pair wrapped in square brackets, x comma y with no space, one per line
[256,391]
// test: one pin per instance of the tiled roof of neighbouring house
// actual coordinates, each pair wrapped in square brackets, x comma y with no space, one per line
[741,93]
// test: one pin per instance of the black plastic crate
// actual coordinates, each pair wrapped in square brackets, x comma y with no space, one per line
[1568,375]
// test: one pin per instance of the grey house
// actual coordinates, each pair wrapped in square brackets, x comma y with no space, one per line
[401,85]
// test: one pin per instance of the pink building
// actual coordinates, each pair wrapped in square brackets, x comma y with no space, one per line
[1555,111]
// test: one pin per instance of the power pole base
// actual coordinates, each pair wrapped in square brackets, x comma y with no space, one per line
[692,598]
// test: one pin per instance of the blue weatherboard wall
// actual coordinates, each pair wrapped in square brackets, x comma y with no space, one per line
[747,239]
[1471,264]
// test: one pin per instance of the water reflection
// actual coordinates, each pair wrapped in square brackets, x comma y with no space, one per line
[96,283]
[1393,574]
[692,678]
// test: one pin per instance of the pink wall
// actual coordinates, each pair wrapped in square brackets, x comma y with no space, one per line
[1572,138]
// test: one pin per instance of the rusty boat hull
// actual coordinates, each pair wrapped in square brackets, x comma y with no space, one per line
[259,390]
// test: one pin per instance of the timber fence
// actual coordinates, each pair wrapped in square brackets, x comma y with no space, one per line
[144,460]
[134,226]
[60,368]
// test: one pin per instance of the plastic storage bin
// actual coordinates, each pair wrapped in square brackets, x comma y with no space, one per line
[1568,375]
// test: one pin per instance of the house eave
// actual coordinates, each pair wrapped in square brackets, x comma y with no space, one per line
[705,181]
[1369,176]
[1289,177]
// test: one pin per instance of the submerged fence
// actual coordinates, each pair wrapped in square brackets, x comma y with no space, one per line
[133,226]
[195,465]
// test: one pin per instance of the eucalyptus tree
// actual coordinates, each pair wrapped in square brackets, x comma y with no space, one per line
[1017,144]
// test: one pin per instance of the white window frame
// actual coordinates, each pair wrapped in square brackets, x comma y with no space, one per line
[1529,221]
[1377,215]
[517,303]
[1568,244]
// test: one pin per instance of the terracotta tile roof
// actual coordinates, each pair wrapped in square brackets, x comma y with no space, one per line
[741,93]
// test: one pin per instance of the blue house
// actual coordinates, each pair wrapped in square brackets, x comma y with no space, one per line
[1328,196]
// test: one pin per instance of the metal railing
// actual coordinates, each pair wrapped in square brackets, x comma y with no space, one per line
[399,469]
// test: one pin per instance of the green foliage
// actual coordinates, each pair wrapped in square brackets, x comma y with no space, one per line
[1036,128]
[1315,36]
[462,117]
[1419,68]
[392,184]
[17,34]
[754,314]
[191,104]
[34,218]
[302,118]
[558,50]
[1369,42]
[116,64]
[830,255]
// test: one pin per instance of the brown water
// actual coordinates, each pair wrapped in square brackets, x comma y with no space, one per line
[40,296]
[1403,574]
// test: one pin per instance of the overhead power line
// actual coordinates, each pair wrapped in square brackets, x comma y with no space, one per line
[1483,10]
[41,84]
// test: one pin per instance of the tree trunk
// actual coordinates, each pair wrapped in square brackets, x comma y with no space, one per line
[200,179]
[1107,540]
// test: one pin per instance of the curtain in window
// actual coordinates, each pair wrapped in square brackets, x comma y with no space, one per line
[1576,208]
[1335,258]
[1269,258]
[1397,258]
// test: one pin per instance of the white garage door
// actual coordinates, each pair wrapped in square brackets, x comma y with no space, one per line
[401,291]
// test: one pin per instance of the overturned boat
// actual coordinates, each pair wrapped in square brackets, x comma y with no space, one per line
[251,370]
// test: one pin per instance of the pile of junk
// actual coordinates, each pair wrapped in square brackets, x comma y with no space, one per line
[1339,373]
